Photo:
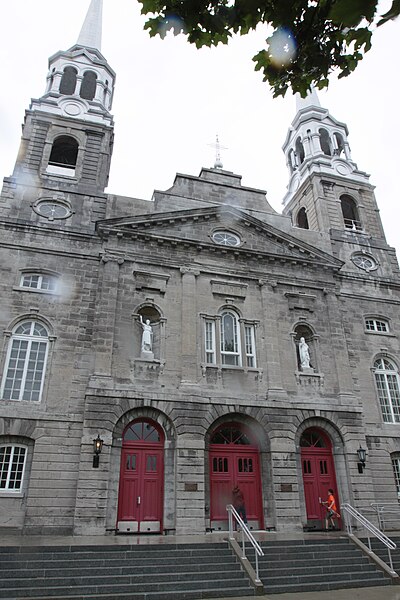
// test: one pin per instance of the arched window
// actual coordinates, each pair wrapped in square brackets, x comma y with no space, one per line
[39,281]
[350,213]
[299,151]
[387,385]
[339,143]
[142,430]
[63,156]
[325,142]
[12,467]
[237,341]
[26,362]
[68,81]
[376,325]
[230,339]
[88,85]
[302,220]
[292,160]
[396,472]
[314,438]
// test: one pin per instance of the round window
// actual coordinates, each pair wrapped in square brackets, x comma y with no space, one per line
[226,238]
[365,262]
[52,209]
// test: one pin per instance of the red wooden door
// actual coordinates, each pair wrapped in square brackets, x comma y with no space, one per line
[234,461]
[141,479]
[318,473]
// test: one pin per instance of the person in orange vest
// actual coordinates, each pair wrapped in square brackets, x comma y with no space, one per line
[331,511]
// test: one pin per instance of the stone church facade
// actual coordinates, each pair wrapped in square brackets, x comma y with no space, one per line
[156,353]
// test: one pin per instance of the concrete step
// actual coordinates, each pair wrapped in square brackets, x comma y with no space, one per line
[308,566]
[156,572]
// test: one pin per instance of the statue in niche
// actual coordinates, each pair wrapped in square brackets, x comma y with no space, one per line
[147,336]
[304,354]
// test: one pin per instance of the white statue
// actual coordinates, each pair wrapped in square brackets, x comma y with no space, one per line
[304,354]
[147,337]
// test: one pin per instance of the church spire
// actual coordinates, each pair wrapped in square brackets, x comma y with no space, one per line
[310,100]
[90,35]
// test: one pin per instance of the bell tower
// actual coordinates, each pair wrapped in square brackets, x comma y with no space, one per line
[63,164]
[327,192]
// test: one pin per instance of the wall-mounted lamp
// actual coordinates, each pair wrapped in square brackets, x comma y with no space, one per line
[362,454]
[97,448]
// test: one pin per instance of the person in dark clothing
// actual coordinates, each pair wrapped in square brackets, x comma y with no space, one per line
[238,503]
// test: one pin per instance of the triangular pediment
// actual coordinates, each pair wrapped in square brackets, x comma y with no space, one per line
[198,227]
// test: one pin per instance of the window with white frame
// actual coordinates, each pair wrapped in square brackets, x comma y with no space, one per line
[12,467]
[387,384]
[39,281]
[26,362]
[229,341]
[250,345]
[396,473]
[210,341]
[378,325]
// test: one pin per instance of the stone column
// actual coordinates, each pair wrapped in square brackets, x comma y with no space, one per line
[104,324]
[272,341]
[189,329]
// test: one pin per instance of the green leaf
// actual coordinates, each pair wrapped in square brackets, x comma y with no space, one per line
[391,14]
[349,13]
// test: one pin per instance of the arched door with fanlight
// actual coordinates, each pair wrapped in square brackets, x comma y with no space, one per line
[234,460]
[140,500]
[318,474]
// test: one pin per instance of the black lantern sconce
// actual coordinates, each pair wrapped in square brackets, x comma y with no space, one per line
[362,454]
[97,448]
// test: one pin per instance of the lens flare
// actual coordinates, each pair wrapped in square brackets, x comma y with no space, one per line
[282,47]
[172,23]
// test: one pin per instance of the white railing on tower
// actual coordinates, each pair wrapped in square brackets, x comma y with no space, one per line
[233,516]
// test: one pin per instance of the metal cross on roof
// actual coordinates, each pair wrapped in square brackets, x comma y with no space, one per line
[218,163]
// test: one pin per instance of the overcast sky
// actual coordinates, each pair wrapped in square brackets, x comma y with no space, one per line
[171,100]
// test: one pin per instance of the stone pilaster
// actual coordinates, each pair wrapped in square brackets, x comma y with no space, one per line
[272,338]
[339,346]
[105,314]
[189,331]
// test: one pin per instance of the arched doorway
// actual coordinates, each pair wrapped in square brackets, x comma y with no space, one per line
[318,474]
[234,460]
[140,499]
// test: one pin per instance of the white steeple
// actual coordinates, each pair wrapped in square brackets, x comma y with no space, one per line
[310,100]
[80,82]
[317,142]
[90,35]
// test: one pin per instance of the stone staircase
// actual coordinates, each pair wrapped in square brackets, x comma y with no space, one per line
[180,571]
[382,552]
[316,565]
[134,572]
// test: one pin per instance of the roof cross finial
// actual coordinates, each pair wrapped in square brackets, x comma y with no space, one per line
[218,163]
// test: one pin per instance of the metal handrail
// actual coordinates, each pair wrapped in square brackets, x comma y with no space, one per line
[349,511]
[381,510]
[245,531]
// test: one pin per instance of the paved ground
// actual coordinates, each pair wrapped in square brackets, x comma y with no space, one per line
[372,593]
